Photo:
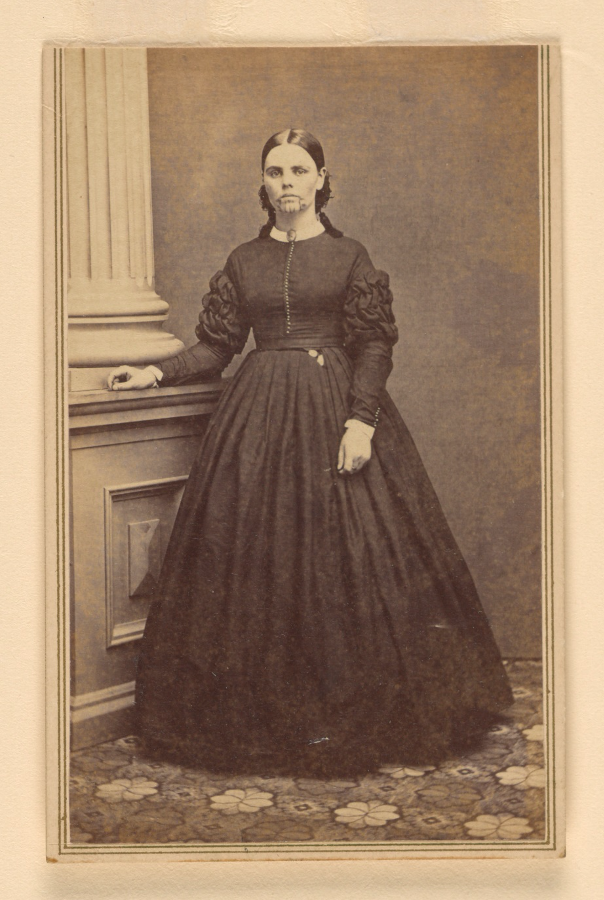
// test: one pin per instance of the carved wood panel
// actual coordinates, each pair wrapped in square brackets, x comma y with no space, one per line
[138,522]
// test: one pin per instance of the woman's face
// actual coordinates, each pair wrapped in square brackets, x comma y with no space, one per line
[291,178]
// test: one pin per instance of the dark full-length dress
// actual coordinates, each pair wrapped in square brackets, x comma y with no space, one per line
[307,619]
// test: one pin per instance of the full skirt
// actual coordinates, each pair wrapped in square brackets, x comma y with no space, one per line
[307,620]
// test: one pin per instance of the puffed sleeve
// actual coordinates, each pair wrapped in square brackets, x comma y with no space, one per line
[370,334]
[222,332]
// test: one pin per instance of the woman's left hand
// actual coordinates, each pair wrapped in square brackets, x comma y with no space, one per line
[355,451]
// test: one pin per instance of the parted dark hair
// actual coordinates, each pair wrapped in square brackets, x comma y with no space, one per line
[308,142]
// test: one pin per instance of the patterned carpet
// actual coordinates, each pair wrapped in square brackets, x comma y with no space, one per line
[495,793]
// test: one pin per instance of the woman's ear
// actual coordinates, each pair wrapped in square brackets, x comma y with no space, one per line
[322,174]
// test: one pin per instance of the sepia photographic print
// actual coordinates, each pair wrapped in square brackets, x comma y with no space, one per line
[303,452]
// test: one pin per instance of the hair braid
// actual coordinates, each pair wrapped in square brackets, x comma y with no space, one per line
[334,232]
[272,215]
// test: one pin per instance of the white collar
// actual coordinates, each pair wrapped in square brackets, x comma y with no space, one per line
[302,234]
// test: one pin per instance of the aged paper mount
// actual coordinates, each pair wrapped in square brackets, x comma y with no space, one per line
[81,712]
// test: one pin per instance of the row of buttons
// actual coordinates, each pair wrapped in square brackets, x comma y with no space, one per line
[290,253]
[314,353]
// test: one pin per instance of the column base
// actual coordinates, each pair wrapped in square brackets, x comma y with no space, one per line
[120,340]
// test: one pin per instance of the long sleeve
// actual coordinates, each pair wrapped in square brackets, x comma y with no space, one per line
[222,332]
[370,335]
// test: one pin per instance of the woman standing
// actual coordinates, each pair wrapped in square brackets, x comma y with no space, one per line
[314,612]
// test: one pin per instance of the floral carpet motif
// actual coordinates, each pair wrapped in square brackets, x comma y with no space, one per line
[493,793]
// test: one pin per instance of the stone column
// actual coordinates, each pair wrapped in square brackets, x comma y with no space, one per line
[115,316]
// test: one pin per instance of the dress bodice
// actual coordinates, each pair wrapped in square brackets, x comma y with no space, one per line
[319,292]
[303,290]
[295,289]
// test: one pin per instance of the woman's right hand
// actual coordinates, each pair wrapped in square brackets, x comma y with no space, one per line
[127,378]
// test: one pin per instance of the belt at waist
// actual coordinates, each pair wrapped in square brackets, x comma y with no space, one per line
[303,342]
